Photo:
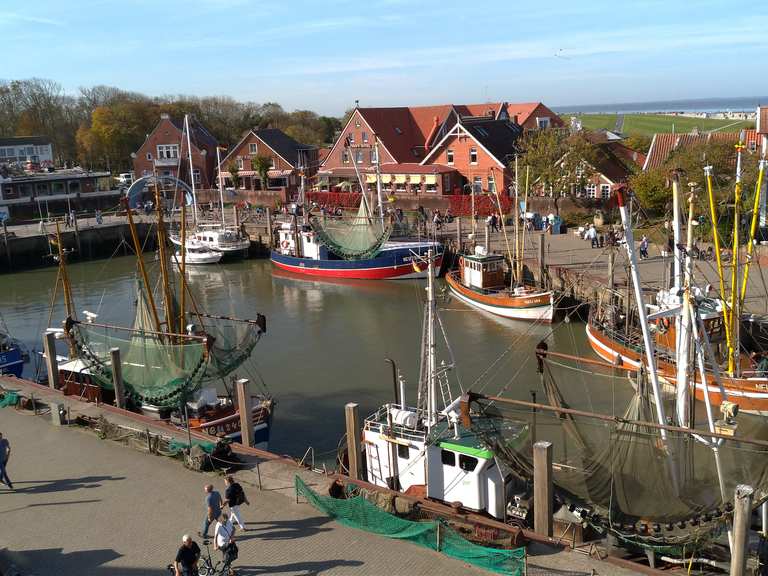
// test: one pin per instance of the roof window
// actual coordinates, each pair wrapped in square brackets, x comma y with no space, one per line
[397,130]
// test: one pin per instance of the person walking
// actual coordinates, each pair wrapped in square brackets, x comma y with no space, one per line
[644,248]
[5,455]
[224,539]
[212,509]
[187,557]
[234,497]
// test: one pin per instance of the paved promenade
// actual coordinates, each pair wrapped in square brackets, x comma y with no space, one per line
[87,506]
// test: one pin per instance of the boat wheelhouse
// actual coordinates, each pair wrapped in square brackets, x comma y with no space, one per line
[480,282]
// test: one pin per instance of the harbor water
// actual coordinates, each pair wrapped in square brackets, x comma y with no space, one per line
[326,342]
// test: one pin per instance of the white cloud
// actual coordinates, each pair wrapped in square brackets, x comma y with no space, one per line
[14,17]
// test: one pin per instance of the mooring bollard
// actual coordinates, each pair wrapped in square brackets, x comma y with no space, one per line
[246,412]
[542,488]
[117,377]
[352,418]
[49,347]
[742,514]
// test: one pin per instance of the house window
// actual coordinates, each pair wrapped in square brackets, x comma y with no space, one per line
[605,191]
[196,176]
[449,157]
[167,151]
[359,156]
[448,458]
[272,165]
[357,122]
[473,155]
[398,131]
[477,185]
[345,157]
[365,137]
[491,184]
[400,187]
[253,148]
[542,123]
[149,155]
[591,190]
[374,159]
[351,137]
[403,451]
[240,163]
[752,146]
[386,187]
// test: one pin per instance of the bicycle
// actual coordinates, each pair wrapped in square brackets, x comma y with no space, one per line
[206,565]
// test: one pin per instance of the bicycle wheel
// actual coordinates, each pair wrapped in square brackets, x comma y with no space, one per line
[205,569]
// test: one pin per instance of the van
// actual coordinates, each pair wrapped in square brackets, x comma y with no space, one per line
[125,179]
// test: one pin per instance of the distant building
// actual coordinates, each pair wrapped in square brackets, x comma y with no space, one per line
[165,153]
[34,194]
[445,149]
[290,160]
[37,150]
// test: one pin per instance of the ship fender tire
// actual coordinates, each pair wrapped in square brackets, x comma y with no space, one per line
[285,244]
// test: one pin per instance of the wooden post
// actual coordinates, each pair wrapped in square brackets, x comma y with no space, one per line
[117,377]
[611,266]
[542,488]
[352,417]
[458,234]
[77,232]
[542,263]
[269,227]
[49,347]
[246,415]
[742,514]
[487,238]
[7,246]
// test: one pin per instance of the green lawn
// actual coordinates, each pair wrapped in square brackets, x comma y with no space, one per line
[649,124]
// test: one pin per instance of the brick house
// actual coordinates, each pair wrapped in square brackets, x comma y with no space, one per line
[534,116]
[165,151]
[401,138]
[290,159]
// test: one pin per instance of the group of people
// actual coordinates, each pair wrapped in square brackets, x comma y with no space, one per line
[188,555]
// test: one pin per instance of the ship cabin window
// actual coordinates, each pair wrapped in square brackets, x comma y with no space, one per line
[448,458]
[467,463]
[403,451]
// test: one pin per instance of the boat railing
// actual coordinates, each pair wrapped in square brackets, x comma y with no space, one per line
[379,420]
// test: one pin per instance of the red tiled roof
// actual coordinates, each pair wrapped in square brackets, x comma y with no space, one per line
[489,109]
[524,110]
[664,143]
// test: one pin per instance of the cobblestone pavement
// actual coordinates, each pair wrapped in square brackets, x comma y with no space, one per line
[84,506]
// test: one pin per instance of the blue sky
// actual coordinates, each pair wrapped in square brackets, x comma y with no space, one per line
[324,55]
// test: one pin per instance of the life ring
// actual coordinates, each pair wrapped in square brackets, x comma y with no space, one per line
[212,430]
[285,244]
[461,262]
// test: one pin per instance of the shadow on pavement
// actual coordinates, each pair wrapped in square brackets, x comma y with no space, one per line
[41,504]
[285,529]
[62,485]
[297,568]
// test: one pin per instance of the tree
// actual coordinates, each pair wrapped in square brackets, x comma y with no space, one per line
[638,142]
[262,165]
[234,171]
[651,189]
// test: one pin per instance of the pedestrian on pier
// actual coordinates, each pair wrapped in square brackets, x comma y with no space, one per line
[67,220]
[234,497]
[212,509]
[99,218]
[187,557]
[224,539]
[5,455]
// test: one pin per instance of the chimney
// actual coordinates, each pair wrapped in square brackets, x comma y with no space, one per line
[514,119]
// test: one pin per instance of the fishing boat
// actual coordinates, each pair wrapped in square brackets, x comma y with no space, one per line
[480,283]
[170,357]
[719,319]
[12,353]
[199,254]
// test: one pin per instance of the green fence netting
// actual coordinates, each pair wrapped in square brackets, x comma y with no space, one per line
[357,512]
[177,446]
[10,398]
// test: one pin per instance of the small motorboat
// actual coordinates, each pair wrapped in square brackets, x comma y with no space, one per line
[199,254]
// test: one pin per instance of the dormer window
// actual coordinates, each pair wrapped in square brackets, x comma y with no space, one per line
[397,130]
[542,123]
[253,148]
[473,155]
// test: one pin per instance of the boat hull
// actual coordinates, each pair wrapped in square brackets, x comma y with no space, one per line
[751,394]
[228,426]
[12,362]
[536,307]
[396,263]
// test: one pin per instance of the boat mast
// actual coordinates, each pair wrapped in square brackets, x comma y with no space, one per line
[641,313]
[142,268]
[733,351]
[162,248]
[684,322]
[753,227]
[516,275]
[191,170]
[221,185]
[431,359]
[183,267]
[677,234]
[69,303]
[522,231]
[378,179]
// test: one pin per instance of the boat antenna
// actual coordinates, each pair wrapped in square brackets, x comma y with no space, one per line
[753,227]
[431,362]
[221,185]
[378,179]
[733,351]
[191,168]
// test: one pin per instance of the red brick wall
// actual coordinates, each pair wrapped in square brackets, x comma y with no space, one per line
[461,146]
[334,159]
[166,133]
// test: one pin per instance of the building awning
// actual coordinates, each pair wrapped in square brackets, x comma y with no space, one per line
[430,179]
[414,179]
[399,178]
[279,173]
[386,178]
[370,178]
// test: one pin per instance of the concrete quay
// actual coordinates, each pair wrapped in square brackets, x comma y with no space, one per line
[88,506]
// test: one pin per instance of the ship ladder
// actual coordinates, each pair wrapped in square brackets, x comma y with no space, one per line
[445,387]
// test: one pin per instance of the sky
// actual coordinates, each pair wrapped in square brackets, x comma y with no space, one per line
[325,55]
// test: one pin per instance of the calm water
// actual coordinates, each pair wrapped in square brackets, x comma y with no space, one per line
[325,343]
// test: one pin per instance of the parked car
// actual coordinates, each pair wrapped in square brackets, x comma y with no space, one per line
[124,179]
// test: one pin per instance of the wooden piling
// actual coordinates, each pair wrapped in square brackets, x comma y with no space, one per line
[352,418]
[269,228]
[7,246]
[542,488]
[742,515]
[458,234]
[246,415]
[542,262]
[117,377]
[49,347]
[77,233]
